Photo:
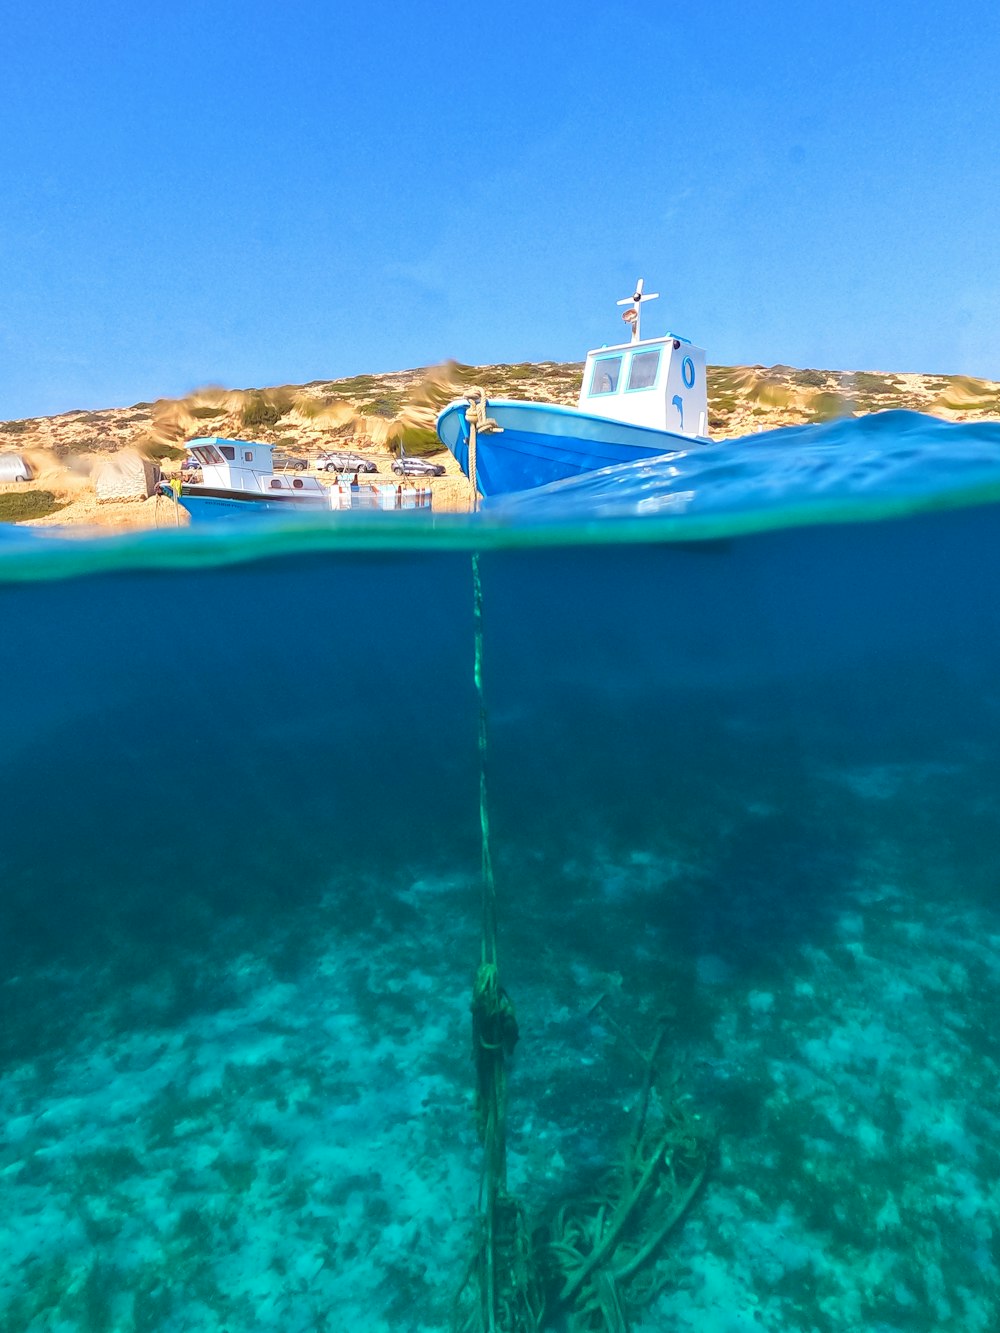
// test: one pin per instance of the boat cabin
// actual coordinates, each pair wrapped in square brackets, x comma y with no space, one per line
[658,382]
[247,465]
[233,465]
[653,382]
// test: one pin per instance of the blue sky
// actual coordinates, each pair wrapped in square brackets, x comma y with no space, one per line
[250,194]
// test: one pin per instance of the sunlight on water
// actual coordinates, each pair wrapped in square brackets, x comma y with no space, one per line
[742,777]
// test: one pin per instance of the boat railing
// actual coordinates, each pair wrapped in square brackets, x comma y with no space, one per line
[383,496]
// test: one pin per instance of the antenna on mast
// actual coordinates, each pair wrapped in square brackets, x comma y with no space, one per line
[631,317]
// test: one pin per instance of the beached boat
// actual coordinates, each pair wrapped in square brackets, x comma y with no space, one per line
[639,399]
[238,480]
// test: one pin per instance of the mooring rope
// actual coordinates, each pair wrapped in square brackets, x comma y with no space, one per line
[478,418]
[494,1035]
[473,488]
[489,893]
[599,1244]
[510,1298]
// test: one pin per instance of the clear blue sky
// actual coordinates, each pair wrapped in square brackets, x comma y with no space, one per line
[251,193]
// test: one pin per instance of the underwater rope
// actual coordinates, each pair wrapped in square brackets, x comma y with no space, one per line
[581,1263]
[489,941]
[510,1298]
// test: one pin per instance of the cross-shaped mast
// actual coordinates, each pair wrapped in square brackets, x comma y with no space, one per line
[631,316]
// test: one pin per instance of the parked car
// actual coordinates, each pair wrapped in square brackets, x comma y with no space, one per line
[282,462]
[339,462]
[417,467]
[190,465]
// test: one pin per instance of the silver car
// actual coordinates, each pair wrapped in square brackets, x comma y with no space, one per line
[336,462]
[417,467]
[288,462]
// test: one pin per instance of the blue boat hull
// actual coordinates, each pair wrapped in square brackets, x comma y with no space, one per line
[541,442]
[217,506]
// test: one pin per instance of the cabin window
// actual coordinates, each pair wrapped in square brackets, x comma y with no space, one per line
[228,452]
[297,483]
[605,377]
[207,453]
[275,484]
[247,456]
[642,371]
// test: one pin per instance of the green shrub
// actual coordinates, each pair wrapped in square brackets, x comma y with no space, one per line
[259,411]
[828,406]
[386,406]
[813,379]
[864,381]
[417,440]
[158,451]
[16,506]
[358,384]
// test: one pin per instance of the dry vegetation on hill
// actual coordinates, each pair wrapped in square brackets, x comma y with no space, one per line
[374,413]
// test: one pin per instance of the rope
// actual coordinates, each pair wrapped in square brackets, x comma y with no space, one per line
[493,1023]
[489,893]
[590,1257]
[476,416]
[504,1298]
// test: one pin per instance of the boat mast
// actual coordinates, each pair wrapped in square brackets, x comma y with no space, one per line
[631,316]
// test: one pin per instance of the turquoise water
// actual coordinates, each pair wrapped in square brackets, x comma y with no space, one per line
[744,722]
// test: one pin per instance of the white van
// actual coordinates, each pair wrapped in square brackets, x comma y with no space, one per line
[14,468]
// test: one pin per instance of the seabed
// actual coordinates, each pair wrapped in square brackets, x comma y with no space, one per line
[280,1136]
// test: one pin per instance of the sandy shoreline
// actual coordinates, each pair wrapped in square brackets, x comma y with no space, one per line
[82,509]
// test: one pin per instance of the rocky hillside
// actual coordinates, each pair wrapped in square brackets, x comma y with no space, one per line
[375,411]
[373,414]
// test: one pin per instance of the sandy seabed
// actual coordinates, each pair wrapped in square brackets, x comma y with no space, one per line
[276,1132]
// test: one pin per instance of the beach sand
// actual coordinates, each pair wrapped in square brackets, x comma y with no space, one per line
[81,508]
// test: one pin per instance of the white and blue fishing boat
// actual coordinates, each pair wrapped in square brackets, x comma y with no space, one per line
[239,481]
[639,399]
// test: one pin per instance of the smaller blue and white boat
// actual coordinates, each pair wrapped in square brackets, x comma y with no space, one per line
[239,481]
[639,399]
